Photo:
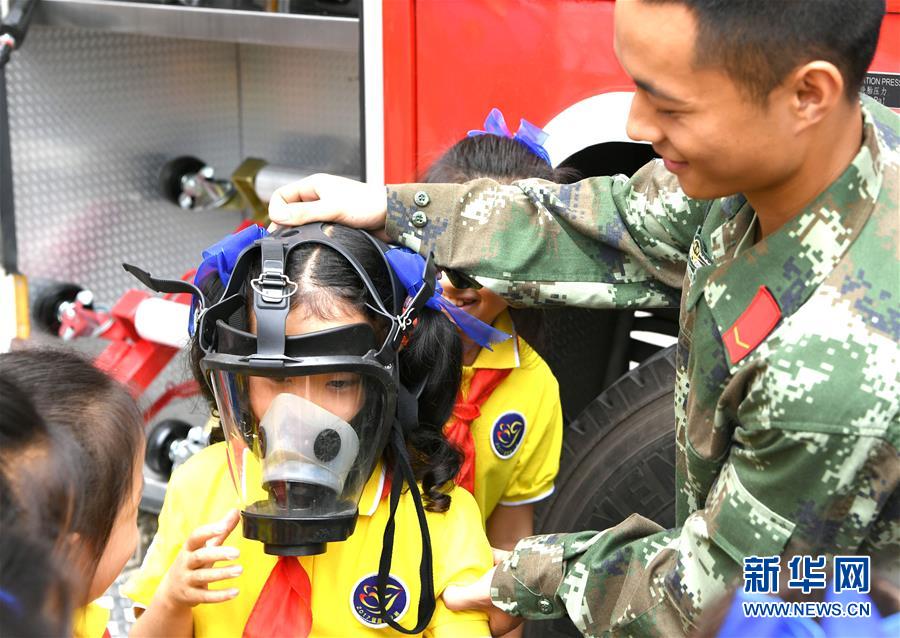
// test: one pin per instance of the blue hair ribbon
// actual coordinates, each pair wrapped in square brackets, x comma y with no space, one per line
[10,601]
[221,257]
[409,266]
[530,136]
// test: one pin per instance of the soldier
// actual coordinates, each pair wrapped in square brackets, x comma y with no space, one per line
[773,216]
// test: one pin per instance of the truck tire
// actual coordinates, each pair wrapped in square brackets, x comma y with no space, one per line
[618,458]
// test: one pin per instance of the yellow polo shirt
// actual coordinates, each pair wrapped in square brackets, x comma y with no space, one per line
[518,437]
[90,621]
[201,491]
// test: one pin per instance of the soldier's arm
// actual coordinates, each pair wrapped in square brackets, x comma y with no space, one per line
[779,492]
[602,242]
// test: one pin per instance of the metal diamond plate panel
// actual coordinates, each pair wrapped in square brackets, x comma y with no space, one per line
[93,116]
[300,107]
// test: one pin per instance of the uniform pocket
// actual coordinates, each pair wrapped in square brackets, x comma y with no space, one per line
[741,524]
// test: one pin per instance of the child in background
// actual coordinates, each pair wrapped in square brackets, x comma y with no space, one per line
[102,430]
[202,577]
[35,470]
[508,418]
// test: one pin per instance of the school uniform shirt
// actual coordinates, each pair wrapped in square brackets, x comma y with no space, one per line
[518,437]
[90,621]
[343,578]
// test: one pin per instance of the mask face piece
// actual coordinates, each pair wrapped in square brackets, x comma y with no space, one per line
[306,451]
[301,448]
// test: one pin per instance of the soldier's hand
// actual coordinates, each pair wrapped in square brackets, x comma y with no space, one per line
[478,596]
[329,198]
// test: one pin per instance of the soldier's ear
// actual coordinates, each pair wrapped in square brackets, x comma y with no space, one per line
[814,90]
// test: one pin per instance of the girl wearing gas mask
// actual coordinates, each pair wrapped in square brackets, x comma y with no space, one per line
[332,369]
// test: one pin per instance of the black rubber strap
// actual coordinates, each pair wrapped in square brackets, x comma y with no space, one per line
[271,302]
[167,286]
[403,474]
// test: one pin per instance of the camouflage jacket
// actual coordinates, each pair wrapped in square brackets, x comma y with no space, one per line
[787,386]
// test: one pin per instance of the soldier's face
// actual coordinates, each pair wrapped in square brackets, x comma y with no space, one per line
[708,131]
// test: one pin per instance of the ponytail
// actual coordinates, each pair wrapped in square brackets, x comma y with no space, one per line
[433,354]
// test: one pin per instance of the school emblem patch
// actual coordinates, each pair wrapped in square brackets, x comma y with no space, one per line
[364,600]
[507,434]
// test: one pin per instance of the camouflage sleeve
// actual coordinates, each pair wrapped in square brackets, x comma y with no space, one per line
[636,579]
[603,242]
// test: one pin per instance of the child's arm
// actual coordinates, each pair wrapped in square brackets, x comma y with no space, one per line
[186,583]
[508,524]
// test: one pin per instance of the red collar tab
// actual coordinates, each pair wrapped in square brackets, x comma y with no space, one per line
[754,325]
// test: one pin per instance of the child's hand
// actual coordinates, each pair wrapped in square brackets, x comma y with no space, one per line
[478,596]
[186,583]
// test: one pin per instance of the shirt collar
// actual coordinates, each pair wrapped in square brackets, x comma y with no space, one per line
[795,259]
[371,495]
[505,354]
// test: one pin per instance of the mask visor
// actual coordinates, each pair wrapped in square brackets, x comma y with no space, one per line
[301,448]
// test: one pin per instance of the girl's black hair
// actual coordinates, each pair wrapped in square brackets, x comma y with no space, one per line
[499,158]
[94,416]
[433,352]
[35,601]
[37,466]
[504,160]
[38,488]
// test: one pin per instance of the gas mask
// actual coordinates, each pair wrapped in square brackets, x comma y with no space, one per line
[307,417]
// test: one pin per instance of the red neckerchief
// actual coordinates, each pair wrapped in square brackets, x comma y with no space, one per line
[458,431]
[284,606]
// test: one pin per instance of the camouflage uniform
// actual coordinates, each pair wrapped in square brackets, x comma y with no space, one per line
[787,432]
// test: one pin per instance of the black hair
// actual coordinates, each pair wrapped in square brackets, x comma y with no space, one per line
[34,597]
[500,158]
[94,416]
[433,352]
[504,160]
[38,485]
[759,43]
[36,467]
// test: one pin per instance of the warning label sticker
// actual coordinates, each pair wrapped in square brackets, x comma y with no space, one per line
[884,87]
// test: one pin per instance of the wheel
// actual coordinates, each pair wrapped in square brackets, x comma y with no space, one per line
[46,302]
[618,458]
[160,441]
[172,172]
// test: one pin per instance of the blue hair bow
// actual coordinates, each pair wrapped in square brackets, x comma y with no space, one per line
[221,258]
[528,135]
[409,266]
[10,600]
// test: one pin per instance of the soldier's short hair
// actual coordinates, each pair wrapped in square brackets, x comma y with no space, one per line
[760,41]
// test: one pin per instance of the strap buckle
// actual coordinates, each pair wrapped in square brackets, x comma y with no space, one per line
[273,287]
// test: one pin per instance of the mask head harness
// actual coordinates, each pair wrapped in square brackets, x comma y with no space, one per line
[295,517]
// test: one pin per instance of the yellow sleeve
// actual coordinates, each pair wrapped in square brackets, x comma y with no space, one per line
[90,621]
[457,624]
[538,462]
[462,555]
[170,536]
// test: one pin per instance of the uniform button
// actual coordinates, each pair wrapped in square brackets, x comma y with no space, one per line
[419,219]
[421,198]
[545,606]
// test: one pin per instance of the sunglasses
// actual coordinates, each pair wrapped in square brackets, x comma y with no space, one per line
[460,280]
